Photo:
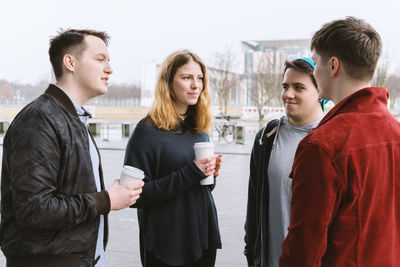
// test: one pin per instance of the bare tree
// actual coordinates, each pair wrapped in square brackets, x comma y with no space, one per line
[393,85]
[383,78]
[6,91]
[381,75]
[123,91]
[27,92]
[223,66]
[265,81]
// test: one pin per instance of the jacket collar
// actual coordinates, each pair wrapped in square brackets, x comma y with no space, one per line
[61,97]
[367,100]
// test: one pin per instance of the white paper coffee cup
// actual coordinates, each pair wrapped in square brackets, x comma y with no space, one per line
[130,175]
[203,150]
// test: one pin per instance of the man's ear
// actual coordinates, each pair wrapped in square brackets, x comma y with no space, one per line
[334,64]
[69,62]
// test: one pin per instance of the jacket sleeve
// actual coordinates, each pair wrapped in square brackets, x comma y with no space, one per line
[316,194]
[34,156]
[140,154]
[250,226]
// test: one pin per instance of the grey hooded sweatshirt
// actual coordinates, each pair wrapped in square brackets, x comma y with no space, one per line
[280,165]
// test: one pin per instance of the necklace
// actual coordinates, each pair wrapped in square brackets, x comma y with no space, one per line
[182,116]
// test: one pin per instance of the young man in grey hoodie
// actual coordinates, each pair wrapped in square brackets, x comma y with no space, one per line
[269,195]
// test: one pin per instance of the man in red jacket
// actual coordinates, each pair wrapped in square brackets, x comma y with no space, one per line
[345,207]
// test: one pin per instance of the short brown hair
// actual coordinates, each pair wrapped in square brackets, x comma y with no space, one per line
[354,42]
[163,112]
[67,41]
[302,66]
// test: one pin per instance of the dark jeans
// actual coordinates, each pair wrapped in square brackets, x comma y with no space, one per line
[208,260]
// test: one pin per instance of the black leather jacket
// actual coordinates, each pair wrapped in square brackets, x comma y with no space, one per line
[49,205]
[256,226]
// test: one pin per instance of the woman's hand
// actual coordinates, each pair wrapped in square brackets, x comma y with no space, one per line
[206,165]
[218,161]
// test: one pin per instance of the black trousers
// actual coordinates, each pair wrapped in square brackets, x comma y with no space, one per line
[208,260]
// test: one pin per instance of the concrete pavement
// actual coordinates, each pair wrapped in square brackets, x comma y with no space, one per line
[230,197]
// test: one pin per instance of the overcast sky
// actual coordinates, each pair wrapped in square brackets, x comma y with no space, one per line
[143,31]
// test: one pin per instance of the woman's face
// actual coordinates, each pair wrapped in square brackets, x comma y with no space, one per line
[187,86]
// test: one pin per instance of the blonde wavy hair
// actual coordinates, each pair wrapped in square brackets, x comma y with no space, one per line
[163,112]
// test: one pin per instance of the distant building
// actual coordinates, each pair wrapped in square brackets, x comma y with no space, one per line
[253,54]
[237,92]
[277,49]
[256,53]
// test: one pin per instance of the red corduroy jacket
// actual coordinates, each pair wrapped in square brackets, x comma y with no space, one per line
[346,188]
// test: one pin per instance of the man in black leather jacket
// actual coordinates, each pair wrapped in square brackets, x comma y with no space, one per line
[53,202]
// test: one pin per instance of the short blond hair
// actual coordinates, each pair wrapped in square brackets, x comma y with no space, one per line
[163,112]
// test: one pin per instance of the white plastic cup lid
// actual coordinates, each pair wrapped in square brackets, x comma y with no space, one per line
[203,145]
[132,171]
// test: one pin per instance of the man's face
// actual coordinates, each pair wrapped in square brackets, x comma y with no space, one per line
[300,97]
[93,68]
[322,74]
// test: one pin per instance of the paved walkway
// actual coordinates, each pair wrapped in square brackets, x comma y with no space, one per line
[230,197]
[224,148]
